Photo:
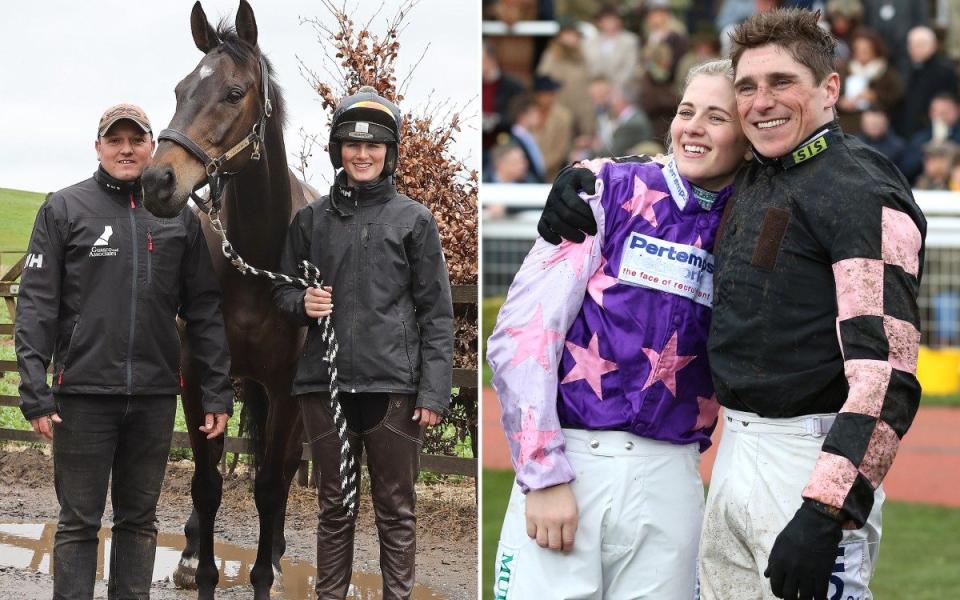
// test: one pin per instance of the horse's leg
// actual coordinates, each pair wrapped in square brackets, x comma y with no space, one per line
[291,464]
[184,577]
[206,487]
[272,486]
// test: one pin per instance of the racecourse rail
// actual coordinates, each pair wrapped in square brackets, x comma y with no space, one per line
[506,240]
[446,465]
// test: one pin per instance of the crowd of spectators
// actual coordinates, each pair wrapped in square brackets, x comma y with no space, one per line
[607,83]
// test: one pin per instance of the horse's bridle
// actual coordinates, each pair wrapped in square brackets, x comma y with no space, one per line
[214,166]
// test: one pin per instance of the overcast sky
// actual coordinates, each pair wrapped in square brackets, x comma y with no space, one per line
[64,61]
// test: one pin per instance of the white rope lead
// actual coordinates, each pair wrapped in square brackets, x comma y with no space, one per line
[348,470]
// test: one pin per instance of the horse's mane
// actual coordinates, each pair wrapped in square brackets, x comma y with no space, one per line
[244,54]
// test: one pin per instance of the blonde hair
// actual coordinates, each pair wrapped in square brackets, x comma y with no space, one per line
[722,67]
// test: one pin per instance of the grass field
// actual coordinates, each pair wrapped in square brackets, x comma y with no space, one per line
[17,211]
[919,553]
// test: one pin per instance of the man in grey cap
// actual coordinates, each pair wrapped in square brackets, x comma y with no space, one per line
[103,283]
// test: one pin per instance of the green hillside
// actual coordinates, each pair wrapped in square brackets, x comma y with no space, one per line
[17,211]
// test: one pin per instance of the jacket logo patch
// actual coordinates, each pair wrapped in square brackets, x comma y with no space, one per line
[670,267]
[34,261]
[810,150]
[100,247]
[104,237]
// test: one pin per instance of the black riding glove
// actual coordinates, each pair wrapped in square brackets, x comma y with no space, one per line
[566,215]
[803,555]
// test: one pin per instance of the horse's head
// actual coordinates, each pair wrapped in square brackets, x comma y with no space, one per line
[222,108]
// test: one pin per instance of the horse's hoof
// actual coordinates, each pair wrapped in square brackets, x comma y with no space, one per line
[185,576]
[261,595]
[277,587]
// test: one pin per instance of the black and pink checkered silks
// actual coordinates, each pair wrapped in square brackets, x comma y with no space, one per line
[876,267]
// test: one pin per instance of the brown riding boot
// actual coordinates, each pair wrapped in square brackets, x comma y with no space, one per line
[334,528]
[393,459]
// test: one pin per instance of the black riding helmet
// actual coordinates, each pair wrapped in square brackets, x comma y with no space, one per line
[366,117]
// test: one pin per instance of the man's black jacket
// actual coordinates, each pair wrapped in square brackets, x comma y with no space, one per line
[818,266]
[102,285]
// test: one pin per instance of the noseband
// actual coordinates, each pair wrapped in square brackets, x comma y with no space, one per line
[214,166]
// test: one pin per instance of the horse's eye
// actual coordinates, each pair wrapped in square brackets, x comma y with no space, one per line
[234,96]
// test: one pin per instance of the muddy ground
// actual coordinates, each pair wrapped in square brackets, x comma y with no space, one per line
[447,526]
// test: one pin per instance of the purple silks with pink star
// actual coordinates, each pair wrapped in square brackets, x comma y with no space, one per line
[575,346]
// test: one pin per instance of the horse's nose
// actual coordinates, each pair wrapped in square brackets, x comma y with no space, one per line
[158,182]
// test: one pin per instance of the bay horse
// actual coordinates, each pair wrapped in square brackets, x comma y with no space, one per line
[230,107]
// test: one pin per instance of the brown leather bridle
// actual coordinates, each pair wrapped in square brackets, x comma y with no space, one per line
[214,166]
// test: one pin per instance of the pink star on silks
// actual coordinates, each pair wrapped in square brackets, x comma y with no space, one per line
[643,200]
[709,408]
[665,364]
[532,340]
[533,441]
[599,282]
[572,252]
[698,243]
[589,365]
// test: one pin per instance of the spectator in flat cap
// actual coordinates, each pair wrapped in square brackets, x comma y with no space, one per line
[564,61]
[556,132]
[525,119]
[938,161]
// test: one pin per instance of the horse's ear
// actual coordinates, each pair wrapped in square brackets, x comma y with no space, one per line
[204,35]
[246,24]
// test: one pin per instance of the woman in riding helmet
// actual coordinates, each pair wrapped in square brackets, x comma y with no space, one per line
[379,251]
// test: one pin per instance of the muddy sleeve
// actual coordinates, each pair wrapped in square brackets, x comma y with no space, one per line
[200,310]
[525,348]
[287,296]
[876,267]
[38,307]
[434,307]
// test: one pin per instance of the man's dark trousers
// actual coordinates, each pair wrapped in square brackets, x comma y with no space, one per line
[130,437]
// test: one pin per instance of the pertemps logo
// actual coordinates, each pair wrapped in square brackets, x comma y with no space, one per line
[101,247]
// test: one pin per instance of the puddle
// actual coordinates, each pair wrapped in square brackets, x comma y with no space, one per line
[29,546]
